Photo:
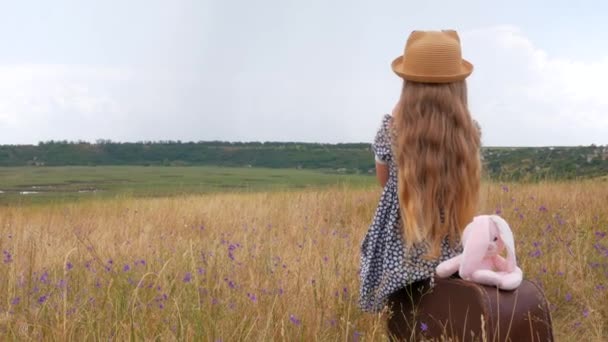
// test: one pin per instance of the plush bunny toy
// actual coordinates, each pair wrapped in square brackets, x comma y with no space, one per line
[483,241]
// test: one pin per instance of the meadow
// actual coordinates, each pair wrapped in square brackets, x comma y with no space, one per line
[39,185]
[268,265]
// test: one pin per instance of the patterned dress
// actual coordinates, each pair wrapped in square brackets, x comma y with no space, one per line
[386,266]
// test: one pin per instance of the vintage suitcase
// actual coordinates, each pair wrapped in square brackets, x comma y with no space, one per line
[459,310]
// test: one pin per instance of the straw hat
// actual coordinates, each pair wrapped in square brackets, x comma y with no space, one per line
[432,57]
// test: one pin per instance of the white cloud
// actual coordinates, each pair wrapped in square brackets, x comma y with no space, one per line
[524,96]
[45,101]
[64,102]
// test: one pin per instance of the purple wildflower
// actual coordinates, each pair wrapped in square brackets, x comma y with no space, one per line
[231,249]
[505,188]
[294,320]
[187,277]
[44,278]
[600,235]
[126,268]
[542,209]
[69,266]
[498,211]
[536,253]
[42,299]
[7,257]
[599,247]
[200,270]
[568,297]
[252,297]
[424,327]
[586,313]
[357,335]
[15,301]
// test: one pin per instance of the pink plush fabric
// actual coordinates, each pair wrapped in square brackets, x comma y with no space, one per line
[483,241]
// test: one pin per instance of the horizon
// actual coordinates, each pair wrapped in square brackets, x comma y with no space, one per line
[161,142]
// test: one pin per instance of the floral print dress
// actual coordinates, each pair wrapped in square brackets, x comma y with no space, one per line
[386,266]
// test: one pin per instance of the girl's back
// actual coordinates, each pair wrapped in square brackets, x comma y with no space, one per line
[429,149]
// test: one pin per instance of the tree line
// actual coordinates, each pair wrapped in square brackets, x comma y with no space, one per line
[505,163]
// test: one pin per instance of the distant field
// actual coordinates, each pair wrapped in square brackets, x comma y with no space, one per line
[27,185]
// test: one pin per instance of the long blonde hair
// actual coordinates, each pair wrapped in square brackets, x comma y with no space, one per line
[437,147]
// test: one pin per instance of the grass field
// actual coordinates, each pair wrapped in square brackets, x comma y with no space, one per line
[27,185]
[278,265]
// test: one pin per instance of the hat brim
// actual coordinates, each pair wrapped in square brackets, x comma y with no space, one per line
[466,69]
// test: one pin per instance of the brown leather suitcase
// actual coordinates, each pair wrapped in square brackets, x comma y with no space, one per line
[459,310]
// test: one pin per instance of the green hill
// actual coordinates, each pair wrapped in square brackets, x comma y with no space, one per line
[505,163]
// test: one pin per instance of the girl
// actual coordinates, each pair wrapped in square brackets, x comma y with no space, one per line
[428,161]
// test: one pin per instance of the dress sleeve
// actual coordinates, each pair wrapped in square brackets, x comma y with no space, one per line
[382,142]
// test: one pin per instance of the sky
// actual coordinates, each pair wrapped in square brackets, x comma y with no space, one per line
[282,70]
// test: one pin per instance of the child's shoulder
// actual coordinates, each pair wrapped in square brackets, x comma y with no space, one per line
[386,119]
[385,123]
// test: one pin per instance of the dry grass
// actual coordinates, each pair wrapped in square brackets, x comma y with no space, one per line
[268,266]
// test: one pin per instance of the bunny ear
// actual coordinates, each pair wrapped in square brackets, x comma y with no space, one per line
[475,241]
[507,237]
